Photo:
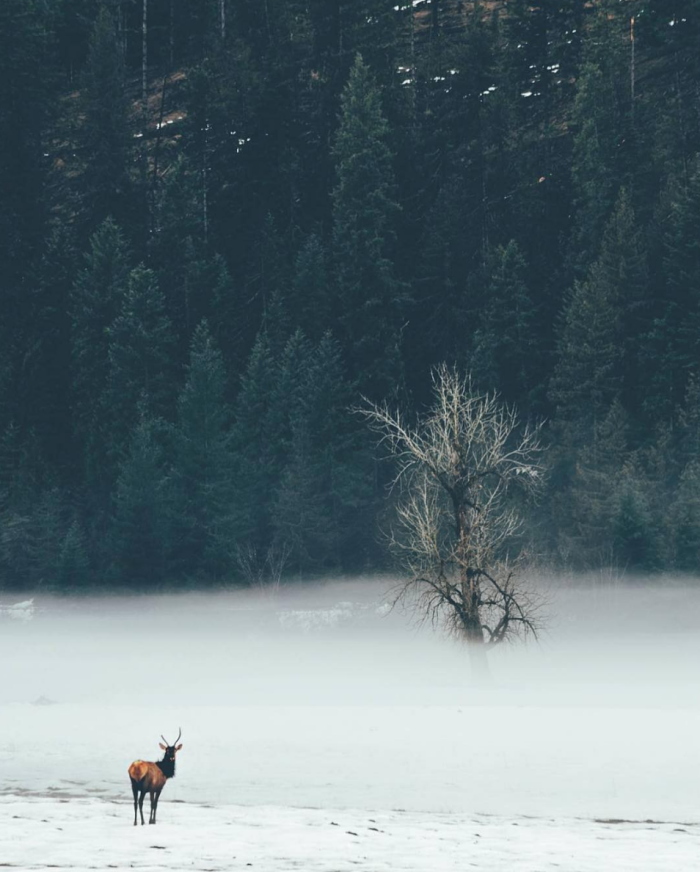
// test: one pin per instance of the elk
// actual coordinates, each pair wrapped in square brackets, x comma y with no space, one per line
[151,777]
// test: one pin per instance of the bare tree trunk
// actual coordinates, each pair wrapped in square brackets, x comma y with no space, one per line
[171,33]
[156,156]
[123,34]
[479,662]
[632,67]
[205,202]
[222,18]
[144,57]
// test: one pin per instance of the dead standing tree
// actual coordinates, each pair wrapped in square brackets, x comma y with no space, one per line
[458,469]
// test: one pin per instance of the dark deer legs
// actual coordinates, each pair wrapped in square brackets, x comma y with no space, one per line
[155,796]
[135,791]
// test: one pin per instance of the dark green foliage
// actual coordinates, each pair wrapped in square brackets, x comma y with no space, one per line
[603,323]
[95,301]
[673,342]
[139,360]
[595,491]
[312,297]
[329,466]
[72,571]
[505,342]
[46,369]
[327,200]
[109,182]
[24,96]
[141,526]
[254,446]
[684,518]
[202,464]
[636,530]
[368,296]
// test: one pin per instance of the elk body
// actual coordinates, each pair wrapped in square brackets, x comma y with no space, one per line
[151,777]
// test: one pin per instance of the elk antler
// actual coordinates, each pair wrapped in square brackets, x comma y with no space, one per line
[175,742]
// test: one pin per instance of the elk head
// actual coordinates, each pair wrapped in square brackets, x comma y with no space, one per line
[170,750]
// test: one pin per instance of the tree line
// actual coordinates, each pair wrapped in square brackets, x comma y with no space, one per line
[223,224]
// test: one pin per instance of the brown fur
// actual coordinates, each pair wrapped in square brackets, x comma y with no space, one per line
[149,776]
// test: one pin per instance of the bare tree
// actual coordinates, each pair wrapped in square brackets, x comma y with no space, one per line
[263,569]
[458,470]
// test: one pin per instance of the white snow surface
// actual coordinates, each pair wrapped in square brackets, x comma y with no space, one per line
[321,731]
[88,834]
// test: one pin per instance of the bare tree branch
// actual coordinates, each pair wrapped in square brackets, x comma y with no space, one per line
[456,524]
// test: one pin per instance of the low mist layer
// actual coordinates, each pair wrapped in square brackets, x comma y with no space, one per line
[323,697]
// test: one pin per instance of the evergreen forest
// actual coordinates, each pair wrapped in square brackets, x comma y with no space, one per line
[225,222]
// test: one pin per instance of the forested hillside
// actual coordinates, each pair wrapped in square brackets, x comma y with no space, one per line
[224,222]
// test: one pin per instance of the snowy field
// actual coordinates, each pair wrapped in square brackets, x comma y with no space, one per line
[321,733]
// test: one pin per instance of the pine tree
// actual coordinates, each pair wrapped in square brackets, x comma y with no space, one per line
[229,321]
[108,183]
[446,305]
[604,139]
[623,265]
[46,370]
[311,293]
[72,25]
[685,520]
[636,533]
[25,74]
[302,524]
[595,488]
[140,360]
[602,325]
[672,343]
[505,346]
[140,530]
[202,473]
[593,166]
[72,572]
[586,377]
[344,461]
[28,515]
[369,297]
[47,531]
[179,253]
[96,298]
[256,476]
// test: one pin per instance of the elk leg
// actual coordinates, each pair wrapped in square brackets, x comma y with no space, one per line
[155,807]
[135,791]
[141,799]
[152,818]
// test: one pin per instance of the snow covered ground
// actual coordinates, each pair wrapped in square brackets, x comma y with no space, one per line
[88,834]
[321,733]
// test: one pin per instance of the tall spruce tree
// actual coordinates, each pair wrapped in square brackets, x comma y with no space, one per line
[673,340]
[602,325]
[311,289]
[369,298]
[24,96]
[109,185]
[95,300]
[256,475]
[505,344]
[684,526]
[595,488]
[46,370]
[140,361]
[202,467]
[140,529]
